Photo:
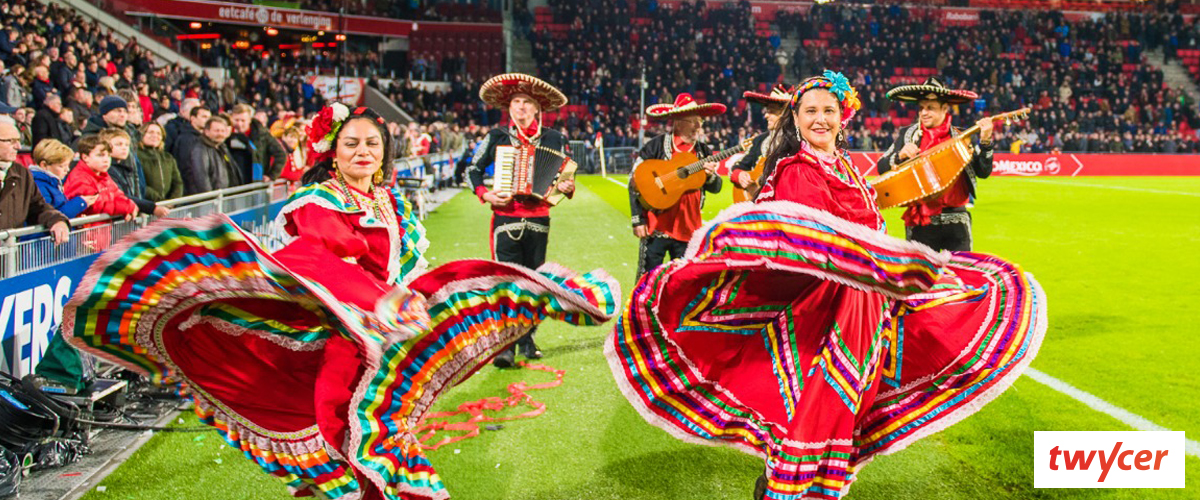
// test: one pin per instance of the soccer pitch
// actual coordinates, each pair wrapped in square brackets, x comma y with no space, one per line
[1118,258]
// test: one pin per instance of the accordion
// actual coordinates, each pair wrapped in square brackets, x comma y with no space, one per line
[532,171]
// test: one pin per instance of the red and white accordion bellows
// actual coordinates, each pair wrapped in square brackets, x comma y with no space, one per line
[532,171]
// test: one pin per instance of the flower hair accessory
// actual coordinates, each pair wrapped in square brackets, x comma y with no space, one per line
[324,129]
[835,83]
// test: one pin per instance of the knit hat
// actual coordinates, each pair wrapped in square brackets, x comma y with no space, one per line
[110,103]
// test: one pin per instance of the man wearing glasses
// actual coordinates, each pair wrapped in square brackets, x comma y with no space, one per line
[21,204]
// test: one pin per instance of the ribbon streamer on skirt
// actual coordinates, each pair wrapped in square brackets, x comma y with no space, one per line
[428,428]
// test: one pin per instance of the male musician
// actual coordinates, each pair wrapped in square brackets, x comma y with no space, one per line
[940,221]
[667,231]
[521,224]
[773,105]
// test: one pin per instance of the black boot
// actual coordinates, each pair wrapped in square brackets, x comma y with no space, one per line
[760,487]
[529,349]
[506,359]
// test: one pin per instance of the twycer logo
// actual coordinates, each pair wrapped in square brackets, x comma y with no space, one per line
[1108,459]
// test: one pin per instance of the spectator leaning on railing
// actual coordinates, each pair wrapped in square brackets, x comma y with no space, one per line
[125,173]
[163,181]
[20,202]
[52,161]
[210,165]
[90,178]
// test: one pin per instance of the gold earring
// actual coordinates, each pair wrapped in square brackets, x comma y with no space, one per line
[378,177]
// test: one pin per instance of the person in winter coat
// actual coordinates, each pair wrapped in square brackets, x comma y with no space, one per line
[163,181]
[211,165]
[125,171]
[52,161]
[90,178]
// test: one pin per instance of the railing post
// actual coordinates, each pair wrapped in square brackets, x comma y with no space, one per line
[8,254]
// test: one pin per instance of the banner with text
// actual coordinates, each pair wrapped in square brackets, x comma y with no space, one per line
[1073,164]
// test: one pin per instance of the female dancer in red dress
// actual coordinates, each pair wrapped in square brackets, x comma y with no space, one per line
[319,360]
[795,329]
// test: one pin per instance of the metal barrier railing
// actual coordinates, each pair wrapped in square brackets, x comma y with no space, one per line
[28,249]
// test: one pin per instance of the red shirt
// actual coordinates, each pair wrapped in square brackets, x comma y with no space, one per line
[682,219]
[826,183]
[957,195]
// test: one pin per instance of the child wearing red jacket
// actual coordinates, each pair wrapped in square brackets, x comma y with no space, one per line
[90,177]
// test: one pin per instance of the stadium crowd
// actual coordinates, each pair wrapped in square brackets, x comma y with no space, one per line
[1089,81]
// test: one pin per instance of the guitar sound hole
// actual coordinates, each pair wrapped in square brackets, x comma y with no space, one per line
[682,173]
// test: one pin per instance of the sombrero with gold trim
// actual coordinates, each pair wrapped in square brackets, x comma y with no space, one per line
[931,90]
[684,106]
[779,95]
[500,89]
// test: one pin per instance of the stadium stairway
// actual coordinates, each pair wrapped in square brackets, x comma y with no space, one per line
[1174,74]
[522,56]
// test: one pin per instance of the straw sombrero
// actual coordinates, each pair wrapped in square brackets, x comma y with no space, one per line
[779,95]
[931,90]
[684,106]
[500,89]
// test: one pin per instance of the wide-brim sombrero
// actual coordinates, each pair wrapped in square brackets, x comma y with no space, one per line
[779,95]
[684,106]
[931,90]
[500,89]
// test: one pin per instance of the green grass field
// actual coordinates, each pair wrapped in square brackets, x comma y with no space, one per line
[1116,256]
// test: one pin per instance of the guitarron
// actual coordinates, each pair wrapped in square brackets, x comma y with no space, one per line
[933,171]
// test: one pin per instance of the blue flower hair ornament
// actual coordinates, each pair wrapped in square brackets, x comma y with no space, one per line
[835,83]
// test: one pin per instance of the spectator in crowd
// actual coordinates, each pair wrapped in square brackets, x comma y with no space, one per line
[163,181]
[112,112]
[242,147]
[297,154]
[125,173]
[268,152]
[181,121]
[22,119]
[90,178]
[47,122]
[52,161]
[187,140]
[211,166]
[41,85]
[20,203]
[80,103]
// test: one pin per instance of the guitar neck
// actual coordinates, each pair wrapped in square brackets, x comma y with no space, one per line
[975,128]
[721,155]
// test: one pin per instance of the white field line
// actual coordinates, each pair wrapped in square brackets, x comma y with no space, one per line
[1126,417]
[614,181]
[1119,188]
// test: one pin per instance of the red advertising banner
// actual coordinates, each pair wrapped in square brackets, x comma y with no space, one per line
[261,15]
[346,90]
[960,17]
[1071,165]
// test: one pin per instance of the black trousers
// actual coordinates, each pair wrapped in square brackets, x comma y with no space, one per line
[953,236]
[521,241]
[655,248]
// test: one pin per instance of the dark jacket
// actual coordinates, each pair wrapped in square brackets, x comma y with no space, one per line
[47,125]
[659,148]
[125,174]
[40,90]
[757,150]
[21,204]
[212,168]
[485,152]
[174,128]
[52,190]
[245,156]
[271,154]
[163,181]
[980,166]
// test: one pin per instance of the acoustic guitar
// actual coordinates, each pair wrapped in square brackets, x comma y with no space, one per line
[748,194]
[661,183]
[932,171]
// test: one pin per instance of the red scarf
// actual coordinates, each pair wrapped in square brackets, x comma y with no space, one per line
[957,195]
